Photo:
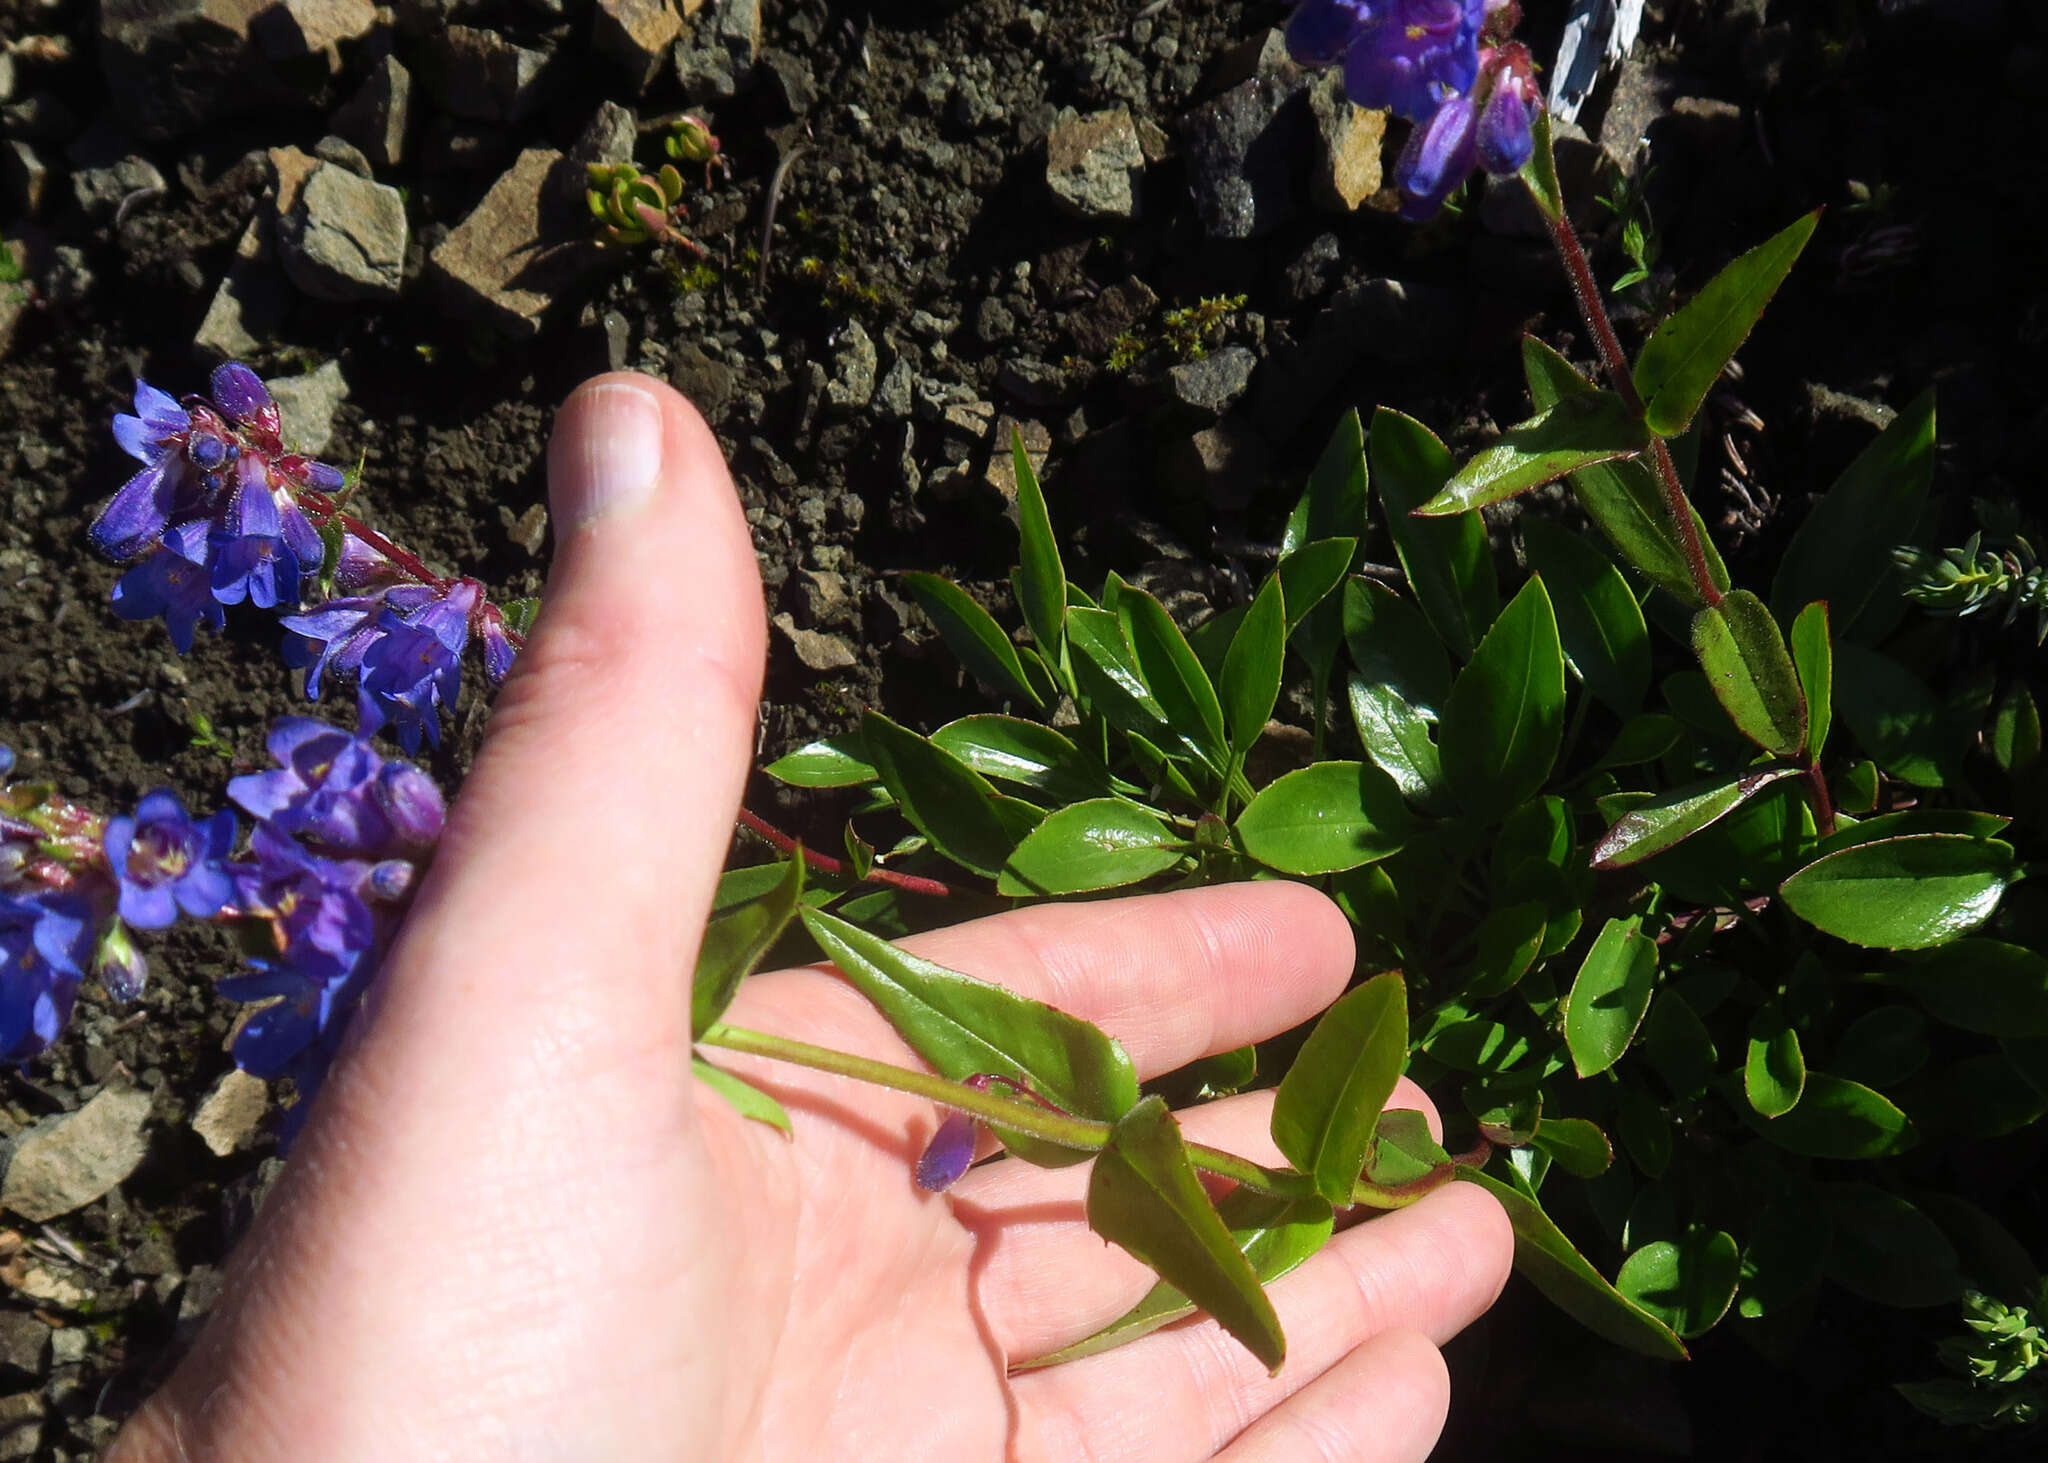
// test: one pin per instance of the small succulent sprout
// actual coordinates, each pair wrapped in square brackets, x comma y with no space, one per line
[690,141]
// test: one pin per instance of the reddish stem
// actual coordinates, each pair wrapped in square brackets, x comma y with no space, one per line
[407,562]
[782,842]
[1817,798]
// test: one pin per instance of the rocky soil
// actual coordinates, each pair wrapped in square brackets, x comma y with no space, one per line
[1130,231]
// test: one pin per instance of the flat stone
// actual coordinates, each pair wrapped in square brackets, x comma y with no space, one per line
[737,24]
[706,382]
[230,1114]
[1096,326]
[295,28]
[520,247]
[1228,460]
[854,363]
[1093,164]
[487,78]
[378,116]
[1032,381]
[1001,472]
[99,191]
[1347,170]
[1213,384]
[818,650]
[635,36]
[343,154]
[896,396]
[65,1162]
[608,137]
[1640,97]
[24,1342]
[308,403]
[344,238]
[24,179]
[21,1425]
[1241,148]
[705,72]
[249,303]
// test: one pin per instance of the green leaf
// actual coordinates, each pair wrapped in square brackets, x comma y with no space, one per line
[1837,1118]
[1325,818]
[1539,174]
[1579,431]
[1676,1044]
[1104,843]
[972,634]
[1274,1234]
[1683,359]
[1980,985]
[1960,821]
[736,941]
[1311,574]
[1330,1100]
[1609,995]
[1403,679]
[1625,499]
[1646,1131]
[1145,1197]
[1577,1146]
[1598,619]
[1842,553]
[1688,1284]
[1171,669]
[1903,893]
[1027,753]
[1650,828]
[1447,561]
[1251,671]
[1746,664]
[1813,658]
[1333,506]
[1887,1251]
[1895,717]
[1774,1072]
[1504,718]
[1641,739]
[944,799]
[1225,1073]
[1510,940]
[1042,579]
[964,1026]
[833,762]
[1108,671]
[2015,735]
[1884,1047]
[747,1100]
[1548,1261]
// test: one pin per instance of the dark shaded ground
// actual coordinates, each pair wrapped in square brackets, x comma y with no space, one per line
[917,210]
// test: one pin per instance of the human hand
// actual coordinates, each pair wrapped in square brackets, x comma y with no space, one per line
[516,1226]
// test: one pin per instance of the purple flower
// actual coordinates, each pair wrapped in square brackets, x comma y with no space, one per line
[415,667]
[1503,137]
[252,559]
[948,1154]
[336,635]
[45,942]
[1438,157]
[308,1009]
[166,862]
[1489,128]
[245,399]
[314,904]
[334,790]
[173,582]
[138,513]
[499,652]
[1409,56]
[156,428]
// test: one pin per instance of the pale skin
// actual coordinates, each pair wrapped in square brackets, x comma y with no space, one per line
[516,1227]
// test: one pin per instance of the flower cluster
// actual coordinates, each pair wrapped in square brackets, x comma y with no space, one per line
[340,834]
[221,513]
[1444,65]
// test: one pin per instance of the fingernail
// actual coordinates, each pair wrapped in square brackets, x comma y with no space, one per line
[613,434]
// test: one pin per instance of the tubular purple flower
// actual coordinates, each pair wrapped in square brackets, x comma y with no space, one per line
[138,513]
[948,1154]
[1321,31]
[45,942]
[415,667]
[314,904]
[1415,56]
[164,861]
[498,650]
[156,426]
[1436,159]
[413,803]
[170,584]
[251,558]
[242,395]
[1504,138]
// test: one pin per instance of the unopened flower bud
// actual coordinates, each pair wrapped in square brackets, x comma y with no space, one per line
[949,1153]
[412,802]
[6,759]
[391,880]
[120,967]
[243,396]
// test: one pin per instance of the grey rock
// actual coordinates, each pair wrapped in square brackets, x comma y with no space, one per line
[1710,127]
[1228,460]
[1259,55]
[39,117]
[68,279]
[379,115]
[789,80]
[969,420]
[634,36]
[1032,382]
[608,136]
[1240,150]
[249,303]
[24,179]
[1213,384]
[1113,311]
[344,239]
[738,26]
[706,72]
[1827,406]
[343,154]
[1001,473]
[204,1286]
[8,73]
[487,78]
[993,322]
[854,364]
[520,247]
[1347,170]
[229,1116]
[69,1345]
[292,29]
[65,1162]
[24,1342]
[1640,97]
[99,191]
[970,106]
[450,145]
[308,404]
[21,1425]
[894,397]
[174,65]
[618,340]
[1093,164]
[707,383]
[1314,269]
[817,650]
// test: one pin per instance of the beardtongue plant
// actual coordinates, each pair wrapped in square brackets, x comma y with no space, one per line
[1742,917]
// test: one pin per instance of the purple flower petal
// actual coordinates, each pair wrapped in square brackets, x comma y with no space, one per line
[948,1154]
[137,515]
[240,392]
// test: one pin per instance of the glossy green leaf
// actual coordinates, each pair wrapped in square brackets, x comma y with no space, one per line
[964,1026]
[972,634]
[1751,673]
[1813,658]
[1548,1261]
[1251,671]
[833,762]
[1681,361]
[2014,739]
[1894,716]
[1504,718]
[1980,985]
[1324,818]
[1025,753]
[1275,1235]
[1677,1045]
[736,940]
[1962,822]
[1842,553]
[1104,843]
[1403,1155]
[1774,1071]
[1506,1106]
[1145,1197]
[1312,573]
[1887,1251]
[1650,828]
[1598,620]
[1110,683]
[1856,787]
[1470,1043]
[747,1100]
[1837,1118]
[1905,893]
[944,799]
[1688,1283]
[1510,940]
[1171,669]
[1399,687]
[1042,579]
[1579,431]
[1225,1073]
[1625,499]
[1330,1100]
[1447,561]
[1211,639]
[1609,995]
[1576,1145]
[1333,506]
